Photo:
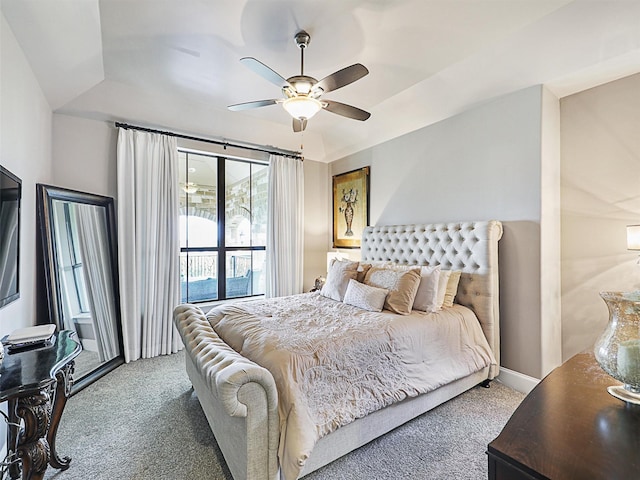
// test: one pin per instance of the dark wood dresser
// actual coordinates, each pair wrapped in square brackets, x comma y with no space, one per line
[569,427]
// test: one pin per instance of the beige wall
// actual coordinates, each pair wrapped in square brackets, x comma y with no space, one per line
[317,215]
[600,196]
[486,163]
[550,276]
[84,155]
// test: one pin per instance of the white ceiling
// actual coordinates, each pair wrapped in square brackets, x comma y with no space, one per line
[175,63]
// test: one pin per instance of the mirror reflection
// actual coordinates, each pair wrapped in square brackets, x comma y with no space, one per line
[78,233]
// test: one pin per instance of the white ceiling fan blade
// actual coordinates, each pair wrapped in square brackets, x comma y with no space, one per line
[247,105]
[265,72]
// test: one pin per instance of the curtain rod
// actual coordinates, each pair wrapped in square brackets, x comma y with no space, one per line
[284,153]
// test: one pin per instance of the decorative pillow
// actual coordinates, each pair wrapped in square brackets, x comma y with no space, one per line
[365,296]
[427,295]
[363,268]
[452,288]
[402,286]
[442,286]
[340,272]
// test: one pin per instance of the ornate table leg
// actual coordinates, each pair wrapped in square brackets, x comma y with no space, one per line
[33,448]
[13,430]
[63,389]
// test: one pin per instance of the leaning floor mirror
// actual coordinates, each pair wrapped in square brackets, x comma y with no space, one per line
[78,235]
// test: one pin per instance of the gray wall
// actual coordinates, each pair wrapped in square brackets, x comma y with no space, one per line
[483,164]
[600,197]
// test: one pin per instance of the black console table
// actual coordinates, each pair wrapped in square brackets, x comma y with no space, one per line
[28,380]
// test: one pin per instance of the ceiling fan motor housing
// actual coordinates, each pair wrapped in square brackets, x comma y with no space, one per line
[302,39]
[302,85]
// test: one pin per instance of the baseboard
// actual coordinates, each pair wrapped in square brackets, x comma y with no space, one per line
[516,380]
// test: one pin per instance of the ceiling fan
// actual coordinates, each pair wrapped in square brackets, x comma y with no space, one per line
[302,93]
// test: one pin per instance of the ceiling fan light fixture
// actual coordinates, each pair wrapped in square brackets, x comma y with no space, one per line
[190,188]
[302,106]
[304,87]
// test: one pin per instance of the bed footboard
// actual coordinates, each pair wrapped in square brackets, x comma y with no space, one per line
[238,397]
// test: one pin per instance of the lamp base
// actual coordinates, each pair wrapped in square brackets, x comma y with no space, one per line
[625,395]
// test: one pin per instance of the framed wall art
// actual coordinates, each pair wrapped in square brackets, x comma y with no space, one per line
[350,207]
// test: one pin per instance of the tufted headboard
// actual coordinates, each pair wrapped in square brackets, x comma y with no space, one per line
[471,247]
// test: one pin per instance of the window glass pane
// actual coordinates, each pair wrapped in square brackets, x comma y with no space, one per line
[198,276]
[237,203]
[244,270]
[258,276]
[198,207]
[259,182]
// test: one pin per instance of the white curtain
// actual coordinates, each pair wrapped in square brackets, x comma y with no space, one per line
[93,238]
[285,227]
[148,242]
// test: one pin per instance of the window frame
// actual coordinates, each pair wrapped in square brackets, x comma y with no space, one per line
[221,249]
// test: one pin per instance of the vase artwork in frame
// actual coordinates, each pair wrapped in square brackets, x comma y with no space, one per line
[350,207]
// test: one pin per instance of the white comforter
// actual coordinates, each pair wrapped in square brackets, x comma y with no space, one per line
[333,363]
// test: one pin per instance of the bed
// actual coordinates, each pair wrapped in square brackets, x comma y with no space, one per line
[263,429]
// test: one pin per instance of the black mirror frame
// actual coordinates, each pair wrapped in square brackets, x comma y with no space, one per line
[44,196]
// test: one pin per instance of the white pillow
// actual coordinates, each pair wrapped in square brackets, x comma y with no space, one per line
[365,296]
[340,272]
[442,287]
[427,295]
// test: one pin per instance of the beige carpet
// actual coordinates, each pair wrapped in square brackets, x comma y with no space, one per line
[143,421]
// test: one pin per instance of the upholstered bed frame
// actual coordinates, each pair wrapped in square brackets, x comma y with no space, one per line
[239,397]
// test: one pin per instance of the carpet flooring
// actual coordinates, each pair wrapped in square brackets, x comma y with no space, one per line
[143,422]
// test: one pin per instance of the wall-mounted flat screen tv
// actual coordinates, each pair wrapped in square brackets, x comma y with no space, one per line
[10,194]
